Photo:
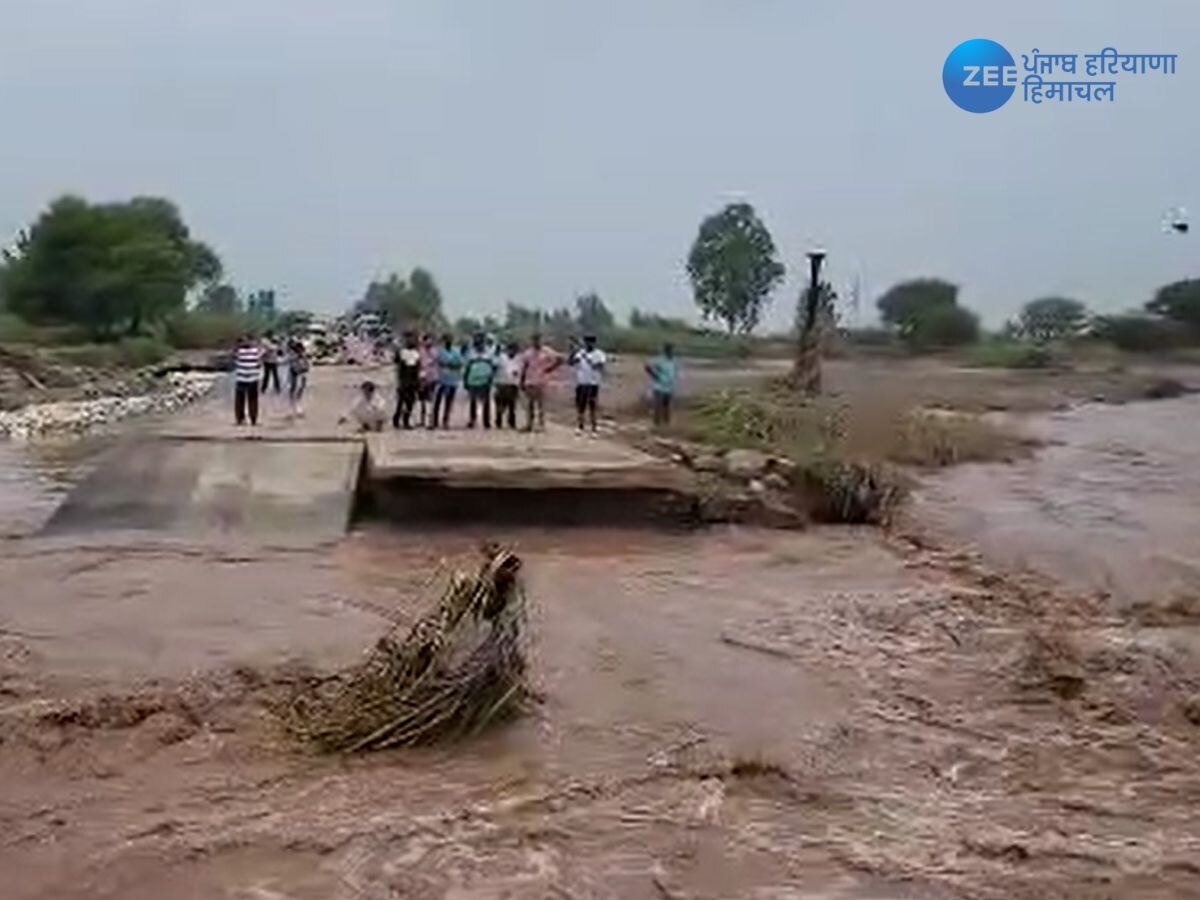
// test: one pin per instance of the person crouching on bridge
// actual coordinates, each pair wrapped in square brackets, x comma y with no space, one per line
[450,363]
[508,379]
[408,379]
[247,372]
[478,376]
[368,412]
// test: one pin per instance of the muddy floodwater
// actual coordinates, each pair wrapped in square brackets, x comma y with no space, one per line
[736,712]
[1110,504]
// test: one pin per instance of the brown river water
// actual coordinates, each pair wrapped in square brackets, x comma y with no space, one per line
[1111,503]
[733,713]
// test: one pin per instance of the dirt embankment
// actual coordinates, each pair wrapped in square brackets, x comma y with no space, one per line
[28,376]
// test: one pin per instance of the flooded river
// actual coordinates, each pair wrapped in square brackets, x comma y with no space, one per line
[1110,504]
[730,713]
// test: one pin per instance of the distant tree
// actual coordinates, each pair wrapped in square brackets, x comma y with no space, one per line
[653,321]
[904,304]
[941,326]
[521,319]
[592,315]
[1052,318]
[221,299]
[1179,302]
[261,304]
[1138,333]
[734,267]
[114,267]
[415,302]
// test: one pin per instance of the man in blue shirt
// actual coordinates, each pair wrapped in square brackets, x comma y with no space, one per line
[450,363]
[664,374]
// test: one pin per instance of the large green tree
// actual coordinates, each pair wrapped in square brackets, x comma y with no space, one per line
[1179,302]
[414,302]
[113,267]
[903,305]
[1052,318]
[734,267]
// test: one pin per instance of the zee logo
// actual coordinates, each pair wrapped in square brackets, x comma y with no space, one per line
[979,75]
[991,76]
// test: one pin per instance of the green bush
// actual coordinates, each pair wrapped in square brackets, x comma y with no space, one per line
[128,353]
[15,330]
[1137,333]
[697,344]
[1011,355]
[939,327]
[208,331]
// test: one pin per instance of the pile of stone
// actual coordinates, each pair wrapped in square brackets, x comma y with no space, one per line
[172,392]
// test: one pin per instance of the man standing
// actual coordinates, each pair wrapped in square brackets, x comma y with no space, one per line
[589,364]
[270,363]
[478,375]
[664,373]
[428,378]
[298,365]
[537,364]
[247,371]
[508,379]
[450,363]
[407,358]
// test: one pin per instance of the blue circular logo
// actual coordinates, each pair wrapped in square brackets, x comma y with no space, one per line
[979,75]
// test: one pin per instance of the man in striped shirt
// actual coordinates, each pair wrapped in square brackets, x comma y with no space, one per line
[247,373]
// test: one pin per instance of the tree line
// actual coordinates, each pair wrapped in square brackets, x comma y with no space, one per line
[134,267]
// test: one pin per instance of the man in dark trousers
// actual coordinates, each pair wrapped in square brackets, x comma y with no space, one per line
[408,379]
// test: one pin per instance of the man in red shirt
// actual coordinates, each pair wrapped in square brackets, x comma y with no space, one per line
[537,365]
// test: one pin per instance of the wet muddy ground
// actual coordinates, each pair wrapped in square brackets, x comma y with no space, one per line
[729,713]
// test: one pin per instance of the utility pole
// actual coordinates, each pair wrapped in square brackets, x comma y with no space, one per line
[806,373]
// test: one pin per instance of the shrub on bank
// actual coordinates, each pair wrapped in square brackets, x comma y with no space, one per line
[208,331]
[1136,333]
[127,353]
[1012,355]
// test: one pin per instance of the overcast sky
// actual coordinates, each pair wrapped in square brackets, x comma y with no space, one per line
[534,149]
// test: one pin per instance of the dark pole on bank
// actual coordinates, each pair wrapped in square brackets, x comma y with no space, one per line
[807,371]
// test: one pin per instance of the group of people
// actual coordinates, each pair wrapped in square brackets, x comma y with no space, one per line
[256,365]
[494,376]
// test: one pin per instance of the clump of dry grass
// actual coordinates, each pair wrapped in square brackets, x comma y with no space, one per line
[874,430]
[459,668]
[851,493]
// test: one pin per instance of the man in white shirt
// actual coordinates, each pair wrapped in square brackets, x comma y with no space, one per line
[508,379]
[589,364]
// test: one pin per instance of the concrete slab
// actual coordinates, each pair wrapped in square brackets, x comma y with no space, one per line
[556,458]
[292,492]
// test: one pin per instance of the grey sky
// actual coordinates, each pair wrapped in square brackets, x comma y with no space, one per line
[533,149]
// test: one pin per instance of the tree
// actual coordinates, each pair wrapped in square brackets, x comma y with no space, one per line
[941,326]
[734,267]
[907,302]
[415,303]
[109,267]
[1052,318]
[219,299]
[592,315]
[261,304]
[1179,302]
